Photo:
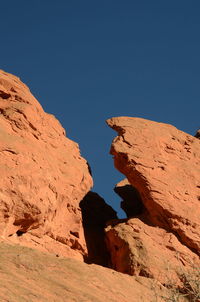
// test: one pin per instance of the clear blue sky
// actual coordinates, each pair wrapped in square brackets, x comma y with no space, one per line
[86,61]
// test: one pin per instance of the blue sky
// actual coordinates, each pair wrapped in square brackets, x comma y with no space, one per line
[86,61]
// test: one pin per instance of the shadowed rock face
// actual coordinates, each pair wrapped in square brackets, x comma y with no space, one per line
[162,163]
[197,135]
[43,176]
[132,202]
[96,213]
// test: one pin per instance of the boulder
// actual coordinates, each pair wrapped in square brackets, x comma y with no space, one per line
[139,249]
[43,176]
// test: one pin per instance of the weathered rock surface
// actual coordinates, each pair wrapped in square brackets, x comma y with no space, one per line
[45,204]
[162,164]
[141,250]
[30,276]
[43,176]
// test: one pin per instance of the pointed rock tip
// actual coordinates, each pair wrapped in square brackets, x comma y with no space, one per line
[119,123]
[114,121]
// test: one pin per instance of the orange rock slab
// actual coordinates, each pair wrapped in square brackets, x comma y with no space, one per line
[162,163]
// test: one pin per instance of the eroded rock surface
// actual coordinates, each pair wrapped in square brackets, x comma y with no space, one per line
[141,250]
[31,276]
[162,164]
[43,176]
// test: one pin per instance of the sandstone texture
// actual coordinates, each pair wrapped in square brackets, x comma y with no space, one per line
[43,176]
[161,163]
[138,249]
[28,275]
[46,204]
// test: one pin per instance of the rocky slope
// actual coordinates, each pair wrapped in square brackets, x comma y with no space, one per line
[161,163]
[28,275]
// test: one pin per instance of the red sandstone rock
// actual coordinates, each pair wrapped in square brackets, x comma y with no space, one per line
[32,276]
[43,176]
[162,163]
[142,250]
[162,239]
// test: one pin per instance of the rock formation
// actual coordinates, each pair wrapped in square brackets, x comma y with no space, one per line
[46,203]
[162,164]
[43,176]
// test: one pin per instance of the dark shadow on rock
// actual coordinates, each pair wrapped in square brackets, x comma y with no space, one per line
[197,135]
[132,203]
[96,213]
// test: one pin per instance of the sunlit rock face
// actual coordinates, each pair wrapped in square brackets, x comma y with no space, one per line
[46,202]
[29,275]
[161,163]
[43,176]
